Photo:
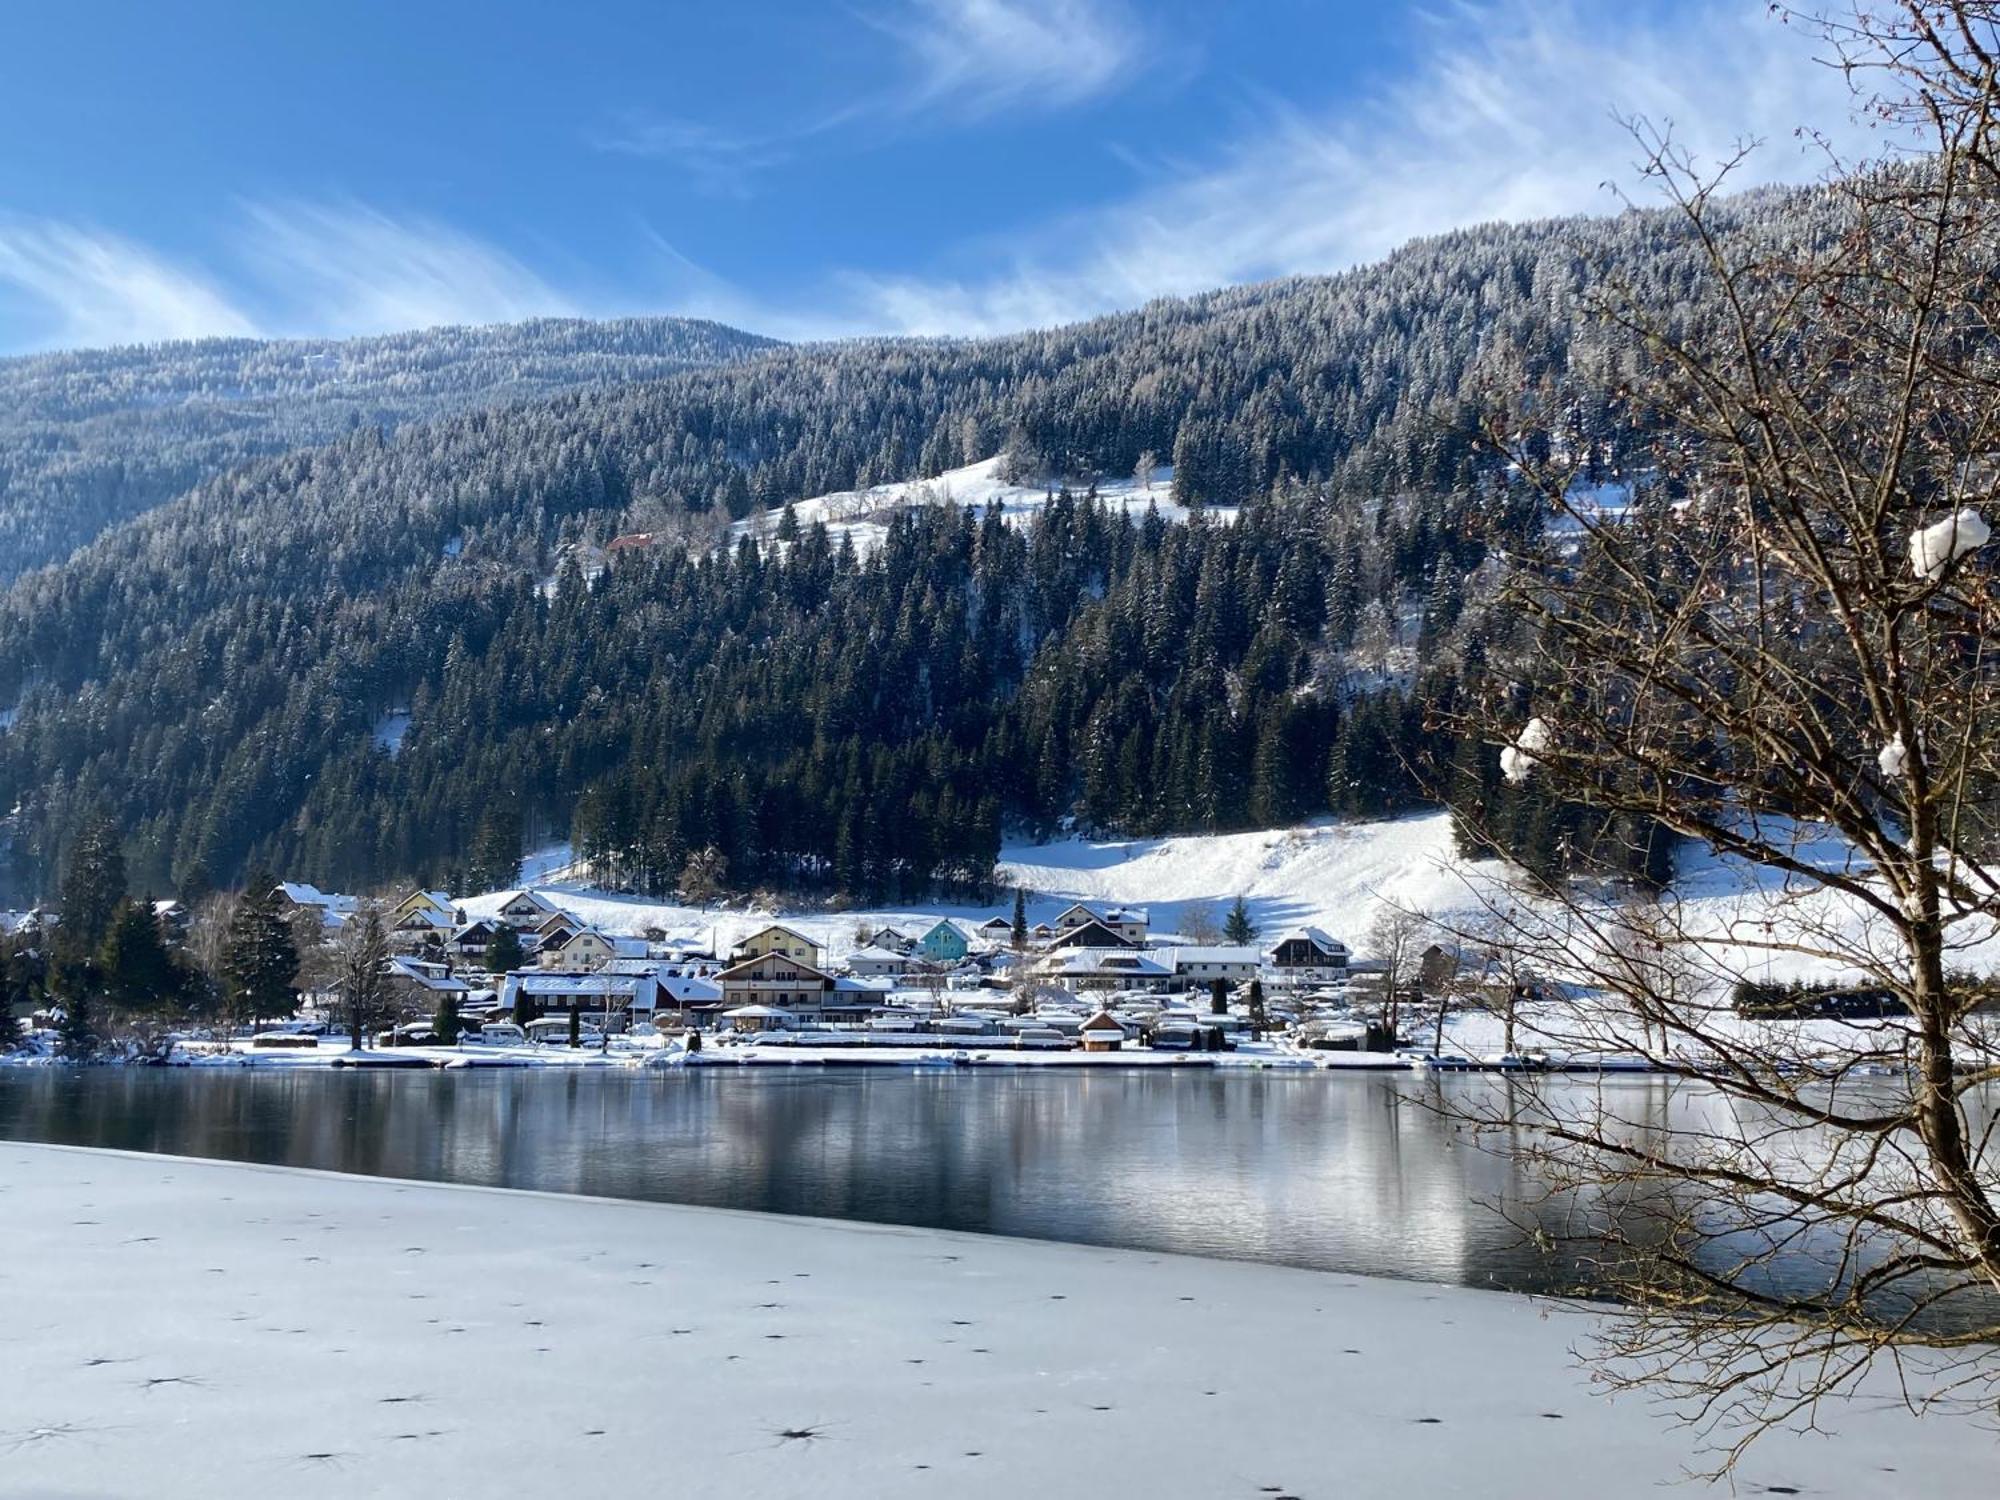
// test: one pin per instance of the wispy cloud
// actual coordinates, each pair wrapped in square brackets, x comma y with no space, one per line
[715,160]
[1511,115]
[973,58]
[346,268]
[954,62]
[82,286]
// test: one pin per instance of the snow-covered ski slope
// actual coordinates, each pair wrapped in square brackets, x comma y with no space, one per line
[865,515]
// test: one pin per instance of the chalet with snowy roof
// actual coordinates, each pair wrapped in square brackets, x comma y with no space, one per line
[1306,955]
[775,979]
[588,949]
[945,943]
[995,930]
[1201,966]
[1091,934]
[524,911]
[431,908]
[786,942]
[415,987]
[1128,922]
[1117,968]
[469,944]
[892,939]
[333,909]
[874,963]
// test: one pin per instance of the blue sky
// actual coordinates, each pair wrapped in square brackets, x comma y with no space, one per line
[810,169]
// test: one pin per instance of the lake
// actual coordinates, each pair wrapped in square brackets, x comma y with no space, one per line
[1352,1173]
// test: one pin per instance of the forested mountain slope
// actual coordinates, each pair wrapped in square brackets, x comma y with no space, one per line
[90,438]
[213,673]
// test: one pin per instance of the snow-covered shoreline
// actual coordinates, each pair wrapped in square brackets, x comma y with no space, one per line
[189,1327]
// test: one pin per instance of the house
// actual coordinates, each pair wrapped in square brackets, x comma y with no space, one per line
[1041,935]
[1306,955]
[685,993]
[433,907]
[524,911]
[1091,934]
[873,962]
[554,931]
[333,909]
[773,979]
[995,930]
[588,949]
[415,987]
[1200,967]
[596,995]
[944,944]
[1128,922]
[1105,969]
[892,940]
[470,943]
[783,941]
[1101,1033]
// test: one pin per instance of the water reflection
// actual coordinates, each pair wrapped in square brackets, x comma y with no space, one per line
[1351,1174]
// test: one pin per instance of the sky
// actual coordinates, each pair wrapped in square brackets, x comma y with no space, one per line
[816,168]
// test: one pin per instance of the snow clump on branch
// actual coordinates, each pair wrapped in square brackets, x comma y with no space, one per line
[1518,760]
[1935,548]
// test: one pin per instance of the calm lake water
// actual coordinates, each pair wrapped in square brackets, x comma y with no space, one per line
[1351,1174]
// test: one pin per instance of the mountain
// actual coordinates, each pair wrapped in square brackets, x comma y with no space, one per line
[403,654]
[92,438]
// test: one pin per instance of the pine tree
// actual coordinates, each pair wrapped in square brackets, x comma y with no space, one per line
[505,954]
[1020,929]
[1237,926]
[260,959]
[93,885]
[1218,998]
[137,972]
[446,1023]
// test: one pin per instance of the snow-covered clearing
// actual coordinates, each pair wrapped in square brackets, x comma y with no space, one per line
[865,515]
[390,730]
[179,1327]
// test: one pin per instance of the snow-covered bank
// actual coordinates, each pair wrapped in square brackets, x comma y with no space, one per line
[201,1328]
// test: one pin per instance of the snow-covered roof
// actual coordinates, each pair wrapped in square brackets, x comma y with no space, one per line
[760,1012]
[1212,953]
[427,975]
[1312,935]
[301,894]
[689,991]
[1098,962]
[597,982]
[873,955]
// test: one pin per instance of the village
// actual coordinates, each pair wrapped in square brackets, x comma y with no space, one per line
[525,975]
[518,968]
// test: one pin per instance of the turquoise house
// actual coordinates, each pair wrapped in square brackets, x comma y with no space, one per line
[944,944]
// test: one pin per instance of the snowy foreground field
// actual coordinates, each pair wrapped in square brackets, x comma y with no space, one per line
[175,1327]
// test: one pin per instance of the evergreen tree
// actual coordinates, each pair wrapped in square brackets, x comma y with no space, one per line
[260,959]
[93,885]
[137,972]
[505,954]
[1237,926]
[1218,998]
[446,1023]
[1019,933]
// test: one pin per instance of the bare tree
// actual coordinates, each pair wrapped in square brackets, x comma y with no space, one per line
[1781,646]
[1395,939]
[1198,923]
[363,966]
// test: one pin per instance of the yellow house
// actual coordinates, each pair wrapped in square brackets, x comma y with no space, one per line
[782,941]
